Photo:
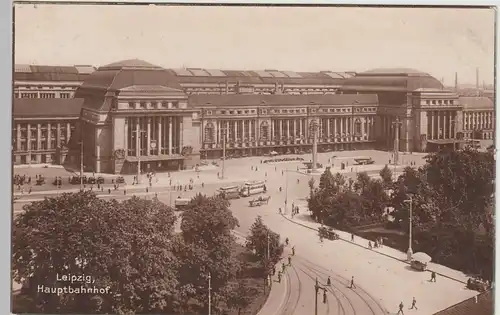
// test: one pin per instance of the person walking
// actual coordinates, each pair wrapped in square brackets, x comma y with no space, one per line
[414,304]
[433,277]
[353,286]
[352,237]
[289,260]
[401,309]
[329,281]
[279,276]
[286,241]
[293,251]
[283,267]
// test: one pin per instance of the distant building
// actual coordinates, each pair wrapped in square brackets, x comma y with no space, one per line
[132,112]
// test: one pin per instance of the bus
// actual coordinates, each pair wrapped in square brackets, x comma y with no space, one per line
[230,192]
[253,188]
[363,161]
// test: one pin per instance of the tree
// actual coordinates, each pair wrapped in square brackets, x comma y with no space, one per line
[386,176]
[123,246]
[206,227]
[259,238]
[326,181]
[311,183]
[241,295]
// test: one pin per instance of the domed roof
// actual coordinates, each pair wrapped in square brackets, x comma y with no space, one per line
[392,79]
[120,75]
[129,64]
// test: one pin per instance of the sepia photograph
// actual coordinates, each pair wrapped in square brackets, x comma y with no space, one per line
[252,159]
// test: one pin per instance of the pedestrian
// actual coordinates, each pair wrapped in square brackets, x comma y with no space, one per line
[217,175]
[353,286]
[202,185]
[274,270]
[124,191]
[109,191]
[352,237]
[266,174]
[293,251]
[256,168]
[279,276]
[147,190]
[433,277]
[280,189]
[283,267]
[414,304]
[29,191]
[370,245]
[328,281]
[289,261]
[286,241]
[401,309]
[281,173]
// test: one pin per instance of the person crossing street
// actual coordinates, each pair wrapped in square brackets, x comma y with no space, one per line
[353,286]
[401,309]
[414,304]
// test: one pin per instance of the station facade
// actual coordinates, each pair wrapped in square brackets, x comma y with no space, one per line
[134,113]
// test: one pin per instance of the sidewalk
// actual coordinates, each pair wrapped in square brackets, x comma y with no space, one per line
[386,251]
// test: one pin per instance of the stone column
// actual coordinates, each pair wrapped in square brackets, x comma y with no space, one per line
[328,128]
[58,135]
[235,132]
[28,140]
[38,136]
[18,137]
[158,141]
[180,134]
[335,129]
[68,132]
[287,129]
[49,136]
[363,121]
[300,127]
[97,151]
[137,137]
[148,141]
[125,131]
[272,129]
[169,135]
[431,118]
[341,128]
[281,129]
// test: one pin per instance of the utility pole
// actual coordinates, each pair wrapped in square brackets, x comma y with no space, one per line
[209,294]
[410,250]
[224,134]
[138,134]
[317,287]
[314,128]
[396,125]
[286,189]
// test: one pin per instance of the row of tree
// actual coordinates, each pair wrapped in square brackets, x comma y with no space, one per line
[131,247]
[452,199]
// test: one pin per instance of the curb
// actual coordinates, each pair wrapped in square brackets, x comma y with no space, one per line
[384,254]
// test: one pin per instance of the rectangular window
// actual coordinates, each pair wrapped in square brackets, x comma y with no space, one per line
[24,146]
[33,158]
[33,145]
[52,144]
[23,159]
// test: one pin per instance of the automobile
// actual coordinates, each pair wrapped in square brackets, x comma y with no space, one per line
[120,180]
[328,233]
[477,284]
[91,180]
[418,265]
[40,181]
[75,180]
[57,182]
[100,180]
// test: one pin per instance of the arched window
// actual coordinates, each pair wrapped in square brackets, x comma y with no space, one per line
[264,130]
[209,133]
[357,126]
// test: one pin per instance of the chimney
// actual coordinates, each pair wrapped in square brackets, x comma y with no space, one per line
[477,81]
[456,81]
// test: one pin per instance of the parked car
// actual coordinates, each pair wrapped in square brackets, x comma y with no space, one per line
[415,264]
[477,284]
[120,180]
[100,180]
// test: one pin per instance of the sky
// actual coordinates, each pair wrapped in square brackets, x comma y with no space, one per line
[434,40]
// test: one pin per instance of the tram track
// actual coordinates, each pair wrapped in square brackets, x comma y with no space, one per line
[373,305]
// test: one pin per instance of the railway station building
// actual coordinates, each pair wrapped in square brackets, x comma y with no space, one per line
[132,113]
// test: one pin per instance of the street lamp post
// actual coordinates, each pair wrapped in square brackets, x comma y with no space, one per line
[410,250]
[224,135]
[81,162]
[314,128]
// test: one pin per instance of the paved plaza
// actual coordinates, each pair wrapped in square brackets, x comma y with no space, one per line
[385,281]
